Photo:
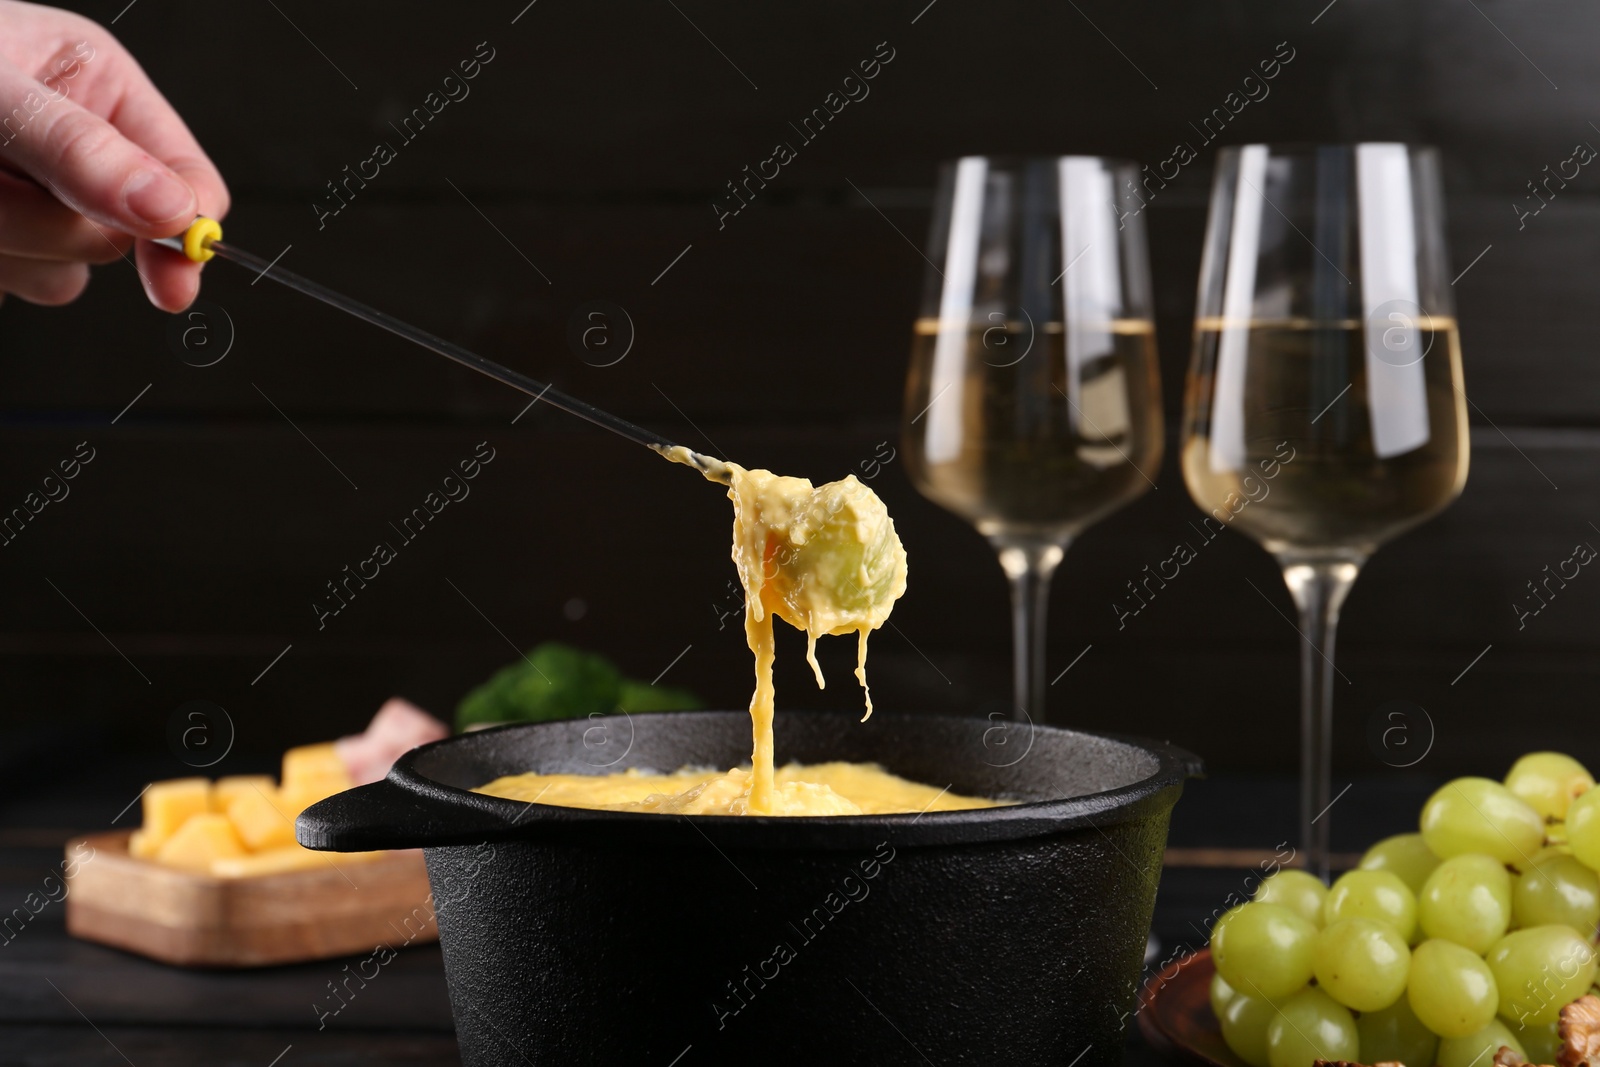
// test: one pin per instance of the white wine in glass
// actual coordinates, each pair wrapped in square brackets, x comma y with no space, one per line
[1032,405]
[1324,412]
[1334,492]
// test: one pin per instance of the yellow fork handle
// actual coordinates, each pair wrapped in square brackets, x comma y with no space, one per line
[198,237]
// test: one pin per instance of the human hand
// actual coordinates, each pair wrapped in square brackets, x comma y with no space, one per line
[93,161]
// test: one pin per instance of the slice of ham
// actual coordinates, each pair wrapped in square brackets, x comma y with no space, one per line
[397,728]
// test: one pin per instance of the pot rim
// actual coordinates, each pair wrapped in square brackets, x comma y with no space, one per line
[409,809]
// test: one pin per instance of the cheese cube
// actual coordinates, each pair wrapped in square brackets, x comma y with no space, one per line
[288,858]
[261,819]
[315,767]
[271,861]
[225,789]
[170,804]
[139,846]
[201,840]
[295,799]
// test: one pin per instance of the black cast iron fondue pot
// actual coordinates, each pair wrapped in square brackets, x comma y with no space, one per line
[1011,935]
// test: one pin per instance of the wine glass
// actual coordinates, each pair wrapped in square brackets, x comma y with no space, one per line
[1324,412]
[1032,405]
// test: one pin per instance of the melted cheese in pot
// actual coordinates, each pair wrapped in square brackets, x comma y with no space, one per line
[814,789]
[826,560]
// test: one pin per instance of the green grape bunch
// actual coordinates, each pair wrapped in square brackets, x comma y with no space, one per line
[1442,947]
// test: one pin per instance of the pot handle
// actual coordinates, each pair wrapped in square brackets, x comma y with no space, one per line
[383,815]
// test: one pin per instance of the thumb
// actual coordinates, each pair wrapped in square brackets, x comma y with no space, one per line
[87,163]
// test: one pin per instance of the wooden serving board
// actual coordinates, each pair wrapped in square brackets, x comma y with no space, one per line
[196,920]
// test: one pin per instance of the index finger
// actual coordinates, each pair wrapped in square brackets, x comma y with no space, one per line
[145,117]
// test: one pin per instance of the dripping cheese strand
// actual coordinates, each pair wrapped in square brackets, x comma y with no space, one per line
[826,560]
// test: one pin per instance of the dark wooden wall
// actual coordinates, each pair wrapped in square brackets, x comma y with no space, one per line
[583,163]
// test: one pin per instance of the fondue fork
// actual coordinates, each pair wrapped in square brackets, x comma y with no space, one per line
[203,240]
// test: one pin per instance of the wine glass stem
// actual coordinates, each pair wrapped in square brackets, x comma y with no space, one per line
[1029,565]
[1319,588]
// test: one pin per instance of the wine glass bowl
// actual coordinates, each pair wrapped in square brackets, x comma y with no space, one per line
[1032,403]
[1324,412]
[1326,328]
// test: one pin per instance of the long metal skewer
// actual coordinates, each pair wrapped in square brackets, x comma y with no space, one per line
[713,469]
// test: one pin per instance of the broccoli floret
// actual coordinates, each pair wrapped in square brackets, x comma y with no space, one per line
[557,681]
[642,696]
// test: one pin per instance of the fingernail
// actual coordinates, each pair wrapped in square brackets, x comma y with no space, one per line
[157,197]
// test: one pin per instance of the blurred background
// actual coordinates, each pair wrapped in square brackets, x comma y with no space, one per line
[585,164]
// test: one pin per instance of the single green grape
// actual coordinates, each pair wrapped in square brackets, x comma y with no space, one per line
[1542,1041]
[1265,950]
[1466,900]
[1406,855]
[1583,829]
[1396,1035]
[1548,781]
[1478,1050]
[1557,889]
[1451,989]
[1380,895]
[1539,971]
[1312,1026]
[1221,994]
[1362,963]
[1244,1028]
[1480,815]
[1299,891]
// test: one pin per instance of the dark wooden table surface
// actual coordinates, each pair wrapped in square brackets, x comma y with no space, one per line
[65,1002]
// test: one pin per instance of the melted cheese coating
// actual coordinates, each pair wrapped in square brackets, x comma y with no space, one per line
[826,560]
